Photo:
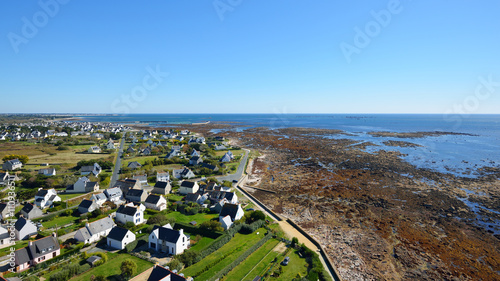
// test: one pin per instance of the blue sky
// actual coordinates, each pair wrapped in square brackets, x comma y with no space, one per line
[241,56]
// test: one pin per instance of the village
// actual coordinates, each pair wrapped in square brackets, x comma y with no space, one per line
[101,201]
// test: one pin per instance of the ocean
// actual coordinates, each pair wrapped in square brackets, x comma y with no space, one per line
[460,155]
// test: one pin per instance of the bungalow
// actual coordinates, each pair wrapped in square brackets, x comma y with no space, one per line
[162,187]
[110,145]
[134,165]
[47,172]
[12,165]
[227,157]
[136,195]
[94,231]
[94,170]
[83,185]
[94,149]
[119,237]
[45,198]
[195,160]
[162,176]
[114,195]
[130,213]
[233,211]
[24,229]
[87,206]
[36,252]
[30,211]
[167,240]
[99,198]
[160,273]
[156,202]
[216,196]
[188,187]
[184,173]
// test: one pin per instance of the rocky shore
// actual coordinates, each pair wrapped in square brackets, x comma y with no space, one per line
[377,216]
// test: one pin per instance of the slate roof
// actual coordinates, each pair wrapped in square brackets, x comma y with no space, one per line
[93,259]
[28,208]
[20,223]
[161,184]
[117,233]
[22,256]
[188,184]
[100,225]
[43,246]
[86,204]
[167,234]
[100,196]
[153,199]
[135,192]
[3,206]
[192,197]
[159,273]
[41,193]
[126,210]
[229,210]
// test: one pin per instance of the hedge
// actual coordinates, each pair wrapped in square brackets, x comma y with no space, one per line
[241,258]
[196,230]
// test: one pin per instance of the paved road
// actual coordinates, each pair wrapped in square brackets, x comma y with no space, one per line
[118,163]
[239,172]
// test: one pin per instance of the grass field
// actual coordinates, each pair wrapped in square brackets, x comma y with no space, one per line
[199,218]
[255,263]
[60,221]
[297,265]
[140,159]
[67,196]
[202,244]
[111,269]
[237,152]
[225,255]
[18,245]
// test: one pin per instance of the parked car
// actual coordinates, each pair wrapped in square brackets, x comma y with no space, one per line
[285,261]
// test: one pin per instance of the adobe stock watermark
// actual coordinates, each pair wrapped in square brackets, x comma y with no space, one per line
[280,120]
[139,93]
[223,6]
[363,36]
[11,209]
[31,26]
[470,104]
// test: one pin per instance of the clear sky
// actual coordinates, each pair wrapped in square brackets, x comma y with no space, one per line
[242,56]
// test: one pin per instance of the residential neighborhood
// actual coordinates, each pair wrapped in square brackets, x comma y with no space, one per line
[165,205]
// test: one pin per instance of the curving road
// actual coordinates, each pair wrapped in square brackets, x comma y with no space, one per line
[239,172]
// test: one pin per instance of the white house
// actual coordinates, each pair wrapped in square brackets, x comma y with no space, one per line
[94,149]
[93,169]
[155,202]
[99,198]
[13,164]
[83,185]
[45,198]
[24,228]
[168,240]
[164,177]
[130,213]
[114,194]
[188,187]
[94,231]
[47,172]
[233,211]
[120,237]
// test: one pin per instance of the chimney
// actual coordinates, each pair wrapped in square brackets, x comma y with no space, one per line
[54,234]
[181,231]
[30,243]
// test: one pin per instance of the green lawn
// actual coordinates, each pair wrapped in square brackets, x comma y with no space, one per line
[225,255]
[18,245]
[60,221]
[112,267]
[297,265]
[67,196]
[199,218]
[237,152]
[202,244]
[259,259]
[140,159]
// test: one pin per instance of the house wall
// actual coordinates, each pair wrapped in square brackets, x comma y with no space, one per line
[46,257]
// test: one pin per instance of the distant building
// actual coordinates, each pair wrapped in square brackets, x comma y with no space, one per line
[11,165]
[47,172]
[188,187]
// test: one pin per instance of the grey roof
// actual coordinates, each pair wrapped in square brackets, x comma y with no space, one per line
[86,204]
[100,196]
[43,246]
[41,193]
[87,169]
[159,273]
[28,208]
[2,207]
[135,192]
[20,223]
[112,192]
[161,184]
[22,256]
[93,259]
[101,225]
[193,197]
[117,233]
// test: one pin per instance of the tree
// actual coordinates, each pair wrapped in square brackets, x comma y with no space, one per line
[128,268]
[23,158]
[295,241]
[212,225]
